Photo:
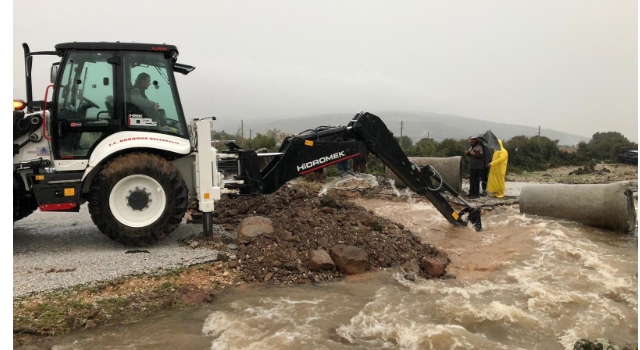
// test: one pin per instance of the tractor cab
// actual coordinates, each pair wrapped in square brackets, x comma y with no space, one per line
[103,88]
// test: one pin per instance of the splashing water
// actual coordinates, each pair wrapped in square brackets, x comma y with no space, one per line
[350,182]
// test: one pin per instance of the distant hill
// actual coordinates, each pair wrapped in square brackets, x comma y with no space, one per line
[416,126]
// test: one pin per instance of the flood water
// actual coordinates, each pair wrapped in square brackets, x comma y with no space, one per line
[523,283]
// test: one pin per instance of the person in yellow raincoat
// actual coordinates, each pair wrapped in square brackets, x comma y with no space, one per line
[497,172]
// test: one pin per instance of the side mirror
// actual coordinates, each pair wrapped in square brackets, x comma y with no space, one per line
[54,73]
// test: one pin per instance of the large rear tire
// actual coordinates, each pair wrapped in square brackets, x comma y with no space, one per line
[137,199]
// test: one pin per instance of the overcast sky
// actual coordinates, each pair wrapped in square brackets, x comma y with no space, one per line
[565,65]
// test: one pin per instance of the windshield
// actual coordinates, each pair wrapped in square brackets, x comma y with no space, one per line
[151,101]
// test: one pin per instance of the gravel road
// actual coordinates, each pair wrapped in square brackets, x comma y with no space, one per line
[57,250]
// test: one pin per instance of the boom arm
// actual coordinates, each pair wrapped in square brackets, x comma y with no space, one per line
[315,149]
[380,141]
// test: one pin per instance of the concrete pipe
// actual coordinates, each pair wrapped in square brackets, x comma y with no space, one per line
[450,168]
[607,206]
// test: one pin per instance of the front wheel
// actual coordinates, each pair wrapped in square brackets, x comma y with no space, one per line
[137,199]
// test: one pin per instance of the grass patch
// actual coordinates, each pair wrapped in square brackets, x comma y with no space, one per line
[118,301]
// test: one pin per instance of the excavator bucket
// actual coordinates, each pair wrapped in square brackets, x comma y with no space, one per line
[474,218]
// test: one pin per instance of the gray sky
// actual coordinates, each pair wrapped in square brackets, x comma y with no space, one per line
[570,66]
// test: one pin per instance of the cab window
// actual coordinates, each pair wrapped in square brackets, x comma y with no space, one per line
[150,95]
[84,103]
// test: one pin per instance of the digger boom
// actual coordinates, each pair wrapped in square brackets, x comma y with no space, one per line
[325,146]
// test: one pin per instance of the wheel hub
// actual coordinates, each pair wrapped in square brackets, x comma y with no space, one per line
[138,199]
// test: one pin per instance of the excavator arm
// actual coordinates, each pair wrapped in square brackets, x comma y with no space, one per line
[315,149]
[425,180]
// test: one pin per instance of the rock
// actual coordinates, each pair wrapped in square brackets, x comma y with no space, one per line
[376,226]
[323,242]
[194,244]
[232,247]
[364,218]
[411,266]
[268,276]
[90,324]
[349,260]
[252,227]
[276,263]
[221,257]
[599,344]
[195,297]
[289,266]
[328,210]
[315,222]
[287,236]
[410,276]
[434,266]
[233,263]
[319,260]
[299,195]
[330,202]
[230,213]
[312,278]
[227,237]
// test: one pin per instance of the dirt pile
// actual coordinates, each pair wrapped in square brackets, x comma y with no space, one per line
[596,174]
[305,226]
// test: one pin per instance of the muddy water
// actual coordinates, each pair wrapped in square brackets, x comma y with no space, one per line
[523,283]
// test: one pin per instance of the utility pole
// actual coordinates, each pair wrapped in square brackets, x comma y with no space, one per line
[249,134]
[538,132]
[242,132]
[401,141]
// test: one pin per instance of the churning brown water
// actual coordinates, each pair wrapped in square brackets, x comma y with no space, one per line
[523,283]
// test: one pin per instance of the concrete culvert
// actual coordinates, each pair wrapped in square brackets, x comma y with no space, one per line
[450,168]
[607,206]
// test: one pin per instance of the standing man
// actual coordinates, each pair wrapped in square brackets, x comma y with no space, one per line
[476,167]
[488,157]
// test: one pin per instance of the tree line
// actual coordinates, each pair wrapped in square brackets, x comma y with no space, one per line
[526,153]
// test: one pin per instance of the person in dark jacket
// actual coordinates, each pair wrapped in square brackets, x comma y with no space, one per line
[139,98]
[488,157]
[476,166]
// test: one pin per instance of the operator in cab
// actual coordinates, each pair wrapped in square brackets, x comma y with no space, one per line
[152,114]
[139,98]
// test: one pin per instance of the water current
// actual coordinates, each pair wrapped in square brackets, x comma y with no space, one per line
[523,283]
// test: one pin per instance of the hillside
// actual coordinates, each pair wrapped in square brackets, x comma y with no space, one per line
[416,126]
